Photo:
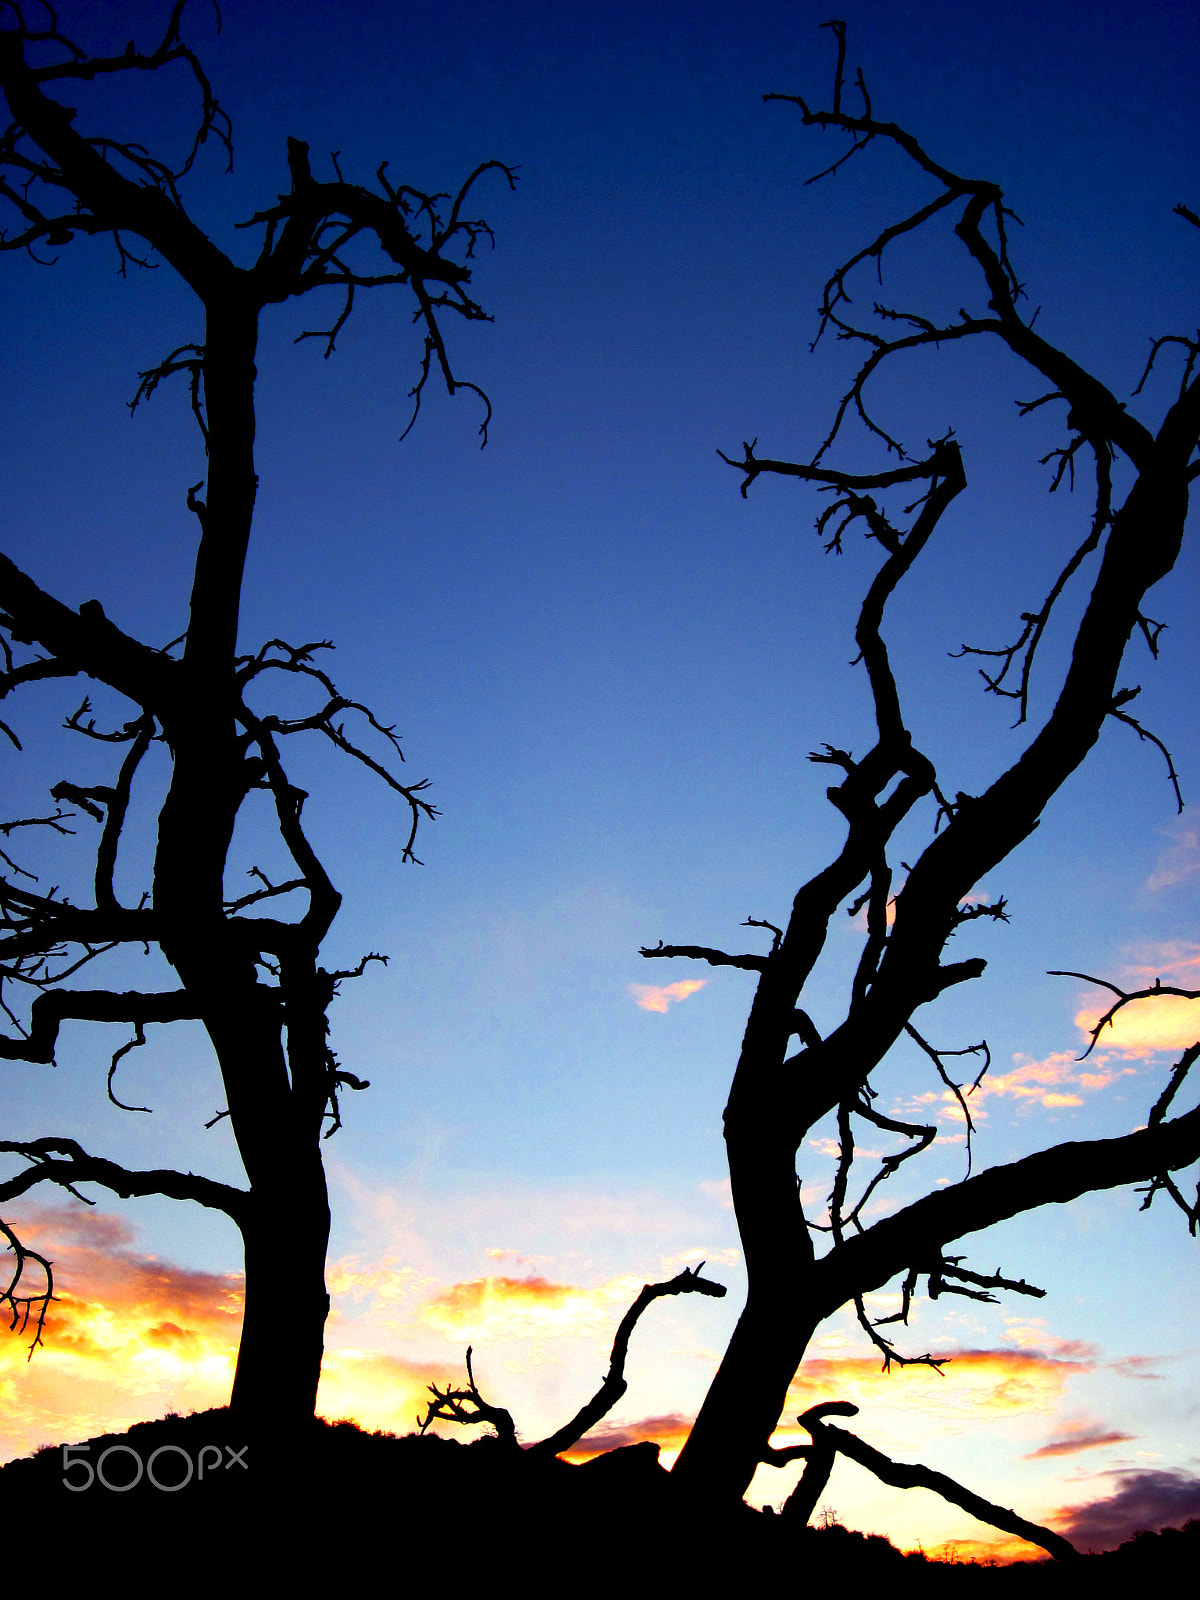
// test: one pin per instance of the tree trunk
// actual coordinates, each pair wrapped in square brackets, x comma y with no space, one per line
[746,1397]
[287,1303]
[743,1405]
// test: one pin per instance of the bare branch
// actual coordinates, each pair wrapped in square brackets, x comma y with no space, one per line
[1144,733]
[1124,998]
[22,1305]
[902,1476]
[468,1407]
[614,1385]
[936,1056]
[699,952]
[66,1163]
[56,1006]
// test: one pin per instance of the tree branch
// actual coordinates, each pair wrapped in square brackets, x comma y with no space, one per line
[1050,1177]
[614,1385]
[50,1010]
[699,952]
[66,1163]
[902,1476]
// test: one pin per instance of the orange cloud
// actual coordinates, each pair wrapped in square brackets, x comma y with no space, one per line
[1146,1027]
[127,1337]
[669,1431]
[1000,1551]
[658,997]
[973,1383]
[132,1337]
[1053,1081]
[382,1391]
[521,1308]
[1057,1081]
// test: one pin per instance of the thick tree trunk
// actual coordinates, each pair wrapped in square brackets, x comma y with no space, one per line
[746,1398]
[742,1407]
[276,1117]
[287,1303]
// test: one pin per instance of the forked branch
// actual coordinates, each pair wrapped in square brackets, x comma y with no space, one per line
[468,1407]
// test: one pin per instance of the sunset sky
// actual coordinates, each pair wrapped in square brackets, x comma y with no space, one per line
[611,668]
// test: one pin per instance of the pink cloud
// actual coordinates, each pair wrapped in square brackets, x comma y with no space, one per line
[658,997]
[1086,1438]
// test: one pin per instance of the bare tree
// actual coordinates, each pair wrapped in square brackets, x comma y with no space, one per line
[253,980]
[801,1271]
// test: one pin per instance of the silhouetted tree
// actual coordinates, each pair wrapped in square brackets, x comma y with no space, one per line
[254,981]
[777,1098]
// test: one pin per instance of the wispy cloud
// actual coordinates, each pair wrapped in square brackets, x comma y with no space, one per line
[486,1309]
[659,996]
[1138,1367]
[1078,1437]
[1178,862]
[381,1285]
[718,1189]
[1059,1079]
[974,1383]
[1175,960]
[1151,1499]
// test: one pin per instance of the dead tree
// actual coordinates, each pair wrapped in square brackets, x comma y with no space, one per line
[254,981]
[779,1094]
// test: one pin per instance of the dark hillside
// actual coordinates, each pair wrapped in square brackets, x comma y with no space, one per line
[343,1503]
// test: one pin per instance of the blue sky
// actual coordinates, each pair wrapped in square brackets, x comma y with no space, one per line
[611,667]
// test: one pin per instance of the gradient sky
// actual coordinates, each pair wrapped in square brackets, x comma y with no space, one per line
[611,668]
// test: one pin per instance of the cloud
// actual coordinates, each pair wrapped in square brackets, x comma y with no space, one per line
[1178,862]
[997,1551]
[1158,1022]
[658,997]
[1146,1027]
[669,1431]
[1176,960]
[973,1383]
[1137,1367]
[128,1336]
[1151,1499]
[382,1285]
[521,1308]
[379,1390]
[1054,1081]
[1086,1436]
[1058,1081]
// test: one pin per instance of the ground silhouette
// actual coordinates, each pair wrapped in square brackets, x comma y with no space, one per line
[341,1501]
